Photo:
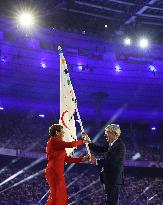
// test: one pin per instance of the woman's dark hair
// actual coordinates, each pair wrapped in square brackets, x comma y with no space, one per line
[54,129]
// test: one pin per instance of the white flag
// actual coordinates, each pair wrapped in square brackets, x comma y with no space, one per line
[67,103]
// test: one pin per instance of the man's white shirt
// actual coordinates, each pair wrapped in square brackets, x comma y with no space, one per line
[111,144]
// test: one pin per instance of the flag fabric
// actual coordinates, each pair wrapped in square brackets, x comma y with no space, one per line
[68,103]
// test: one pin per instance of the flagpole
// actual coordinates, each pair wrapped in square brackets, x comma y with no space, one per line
[76,106]
[81,127]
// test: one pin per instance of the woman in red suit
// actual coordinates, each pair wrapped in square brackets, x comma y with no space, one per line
[56,156]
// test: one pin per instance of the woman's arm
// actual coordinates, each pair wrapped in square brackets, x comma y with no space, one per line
[70,159]
[59,144]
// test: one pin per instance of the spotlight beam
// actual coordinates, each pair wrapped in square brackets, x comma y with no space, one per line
[152,197]
[145,190]
[24,180]
[69,168]
[94,182]
[12,162]
[15,160]
[21,171]
[86,196]
[113,118]
[44,196]
[81,175]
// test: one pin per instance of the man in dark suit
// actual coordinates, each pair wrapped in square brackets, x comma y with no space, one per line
[112,163]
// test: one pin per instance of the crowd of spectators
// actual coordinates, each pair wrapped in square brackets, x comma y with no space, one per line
[83,189]
[29,132]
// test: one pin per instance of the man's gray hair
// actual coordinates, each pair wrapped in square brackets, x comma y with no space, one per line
[113,128]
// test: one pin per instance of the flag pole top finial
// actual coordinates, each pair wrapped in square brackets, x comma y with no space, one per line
[60,49]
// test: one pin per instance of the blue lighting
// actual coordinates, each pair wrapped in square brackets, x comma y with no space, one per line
[4,59]
[127,41]
[143,43]
[42,116]
[153,128]
[80,67]
[43,64]
[1,108]
[152,68]
[118,68]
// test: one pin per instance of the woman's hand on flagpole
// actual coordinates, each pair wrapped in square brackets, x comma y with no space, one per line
[86,158]
[93,159]
[86,138]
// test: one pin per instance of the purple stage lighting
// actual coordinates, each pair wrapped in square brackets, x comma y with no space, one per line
[1,108]
[42,115]
[118,68]
[152,68]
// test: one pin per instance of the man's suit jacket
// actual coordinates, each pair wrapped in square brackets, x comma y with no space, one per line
[112,163]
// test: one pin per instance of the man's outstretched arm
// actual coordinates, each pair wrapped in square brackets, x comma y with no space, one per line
[93,147]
